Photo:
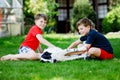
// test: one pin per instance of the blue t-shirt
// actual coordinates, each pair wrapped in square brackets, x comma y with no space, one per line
[98,40]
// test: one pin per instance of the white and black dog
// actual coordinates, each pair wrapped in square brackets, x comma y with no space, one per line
[53,55]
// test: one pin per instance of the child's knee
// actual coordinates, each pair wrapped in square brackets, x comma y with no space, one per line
[33,56]
[94,52]
[91,50]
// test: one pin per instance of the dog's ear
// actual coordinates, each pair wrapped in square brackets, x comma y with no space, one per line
[46,55]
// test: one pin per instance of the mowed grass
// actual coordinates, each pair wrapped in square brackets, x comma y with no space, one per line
[70,70]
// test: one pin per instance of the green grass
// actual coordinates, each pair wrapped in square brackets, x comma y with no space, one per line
[69,70]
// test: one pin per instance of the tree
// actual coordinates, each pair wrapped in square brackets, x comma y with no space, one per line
[81,9]
[33,7]
[111,23]
[114,3]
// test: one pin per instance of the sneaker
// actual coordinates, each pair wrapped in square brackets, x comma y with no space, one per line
[87,57]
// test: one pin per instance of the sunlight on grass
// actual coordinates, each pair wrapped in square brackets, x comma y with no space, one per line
[69,70]
[112,35]
[65,36]
[57,78]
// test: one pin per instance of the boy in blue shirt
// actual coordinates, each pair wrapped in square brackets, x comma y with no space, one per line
[96,45]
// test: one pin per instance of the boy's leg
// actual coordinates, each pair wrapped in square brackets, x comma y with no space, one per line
[8,57]
[24,56]
[26,53]
[74,51]
[100,53]
[30,55]
[94,52]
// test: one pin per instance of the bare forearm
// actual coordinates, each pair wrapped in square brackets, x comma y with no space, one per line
[74,44]
[39,49]
[45,42]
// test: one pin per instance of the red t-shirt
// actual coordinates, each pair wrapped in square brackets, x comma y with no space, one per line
[31,41]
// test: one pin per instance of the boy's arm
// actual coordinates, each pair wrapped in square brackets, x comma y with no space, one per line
[44,41]
[77,42]
[87,46]
[79,50]
[39,49]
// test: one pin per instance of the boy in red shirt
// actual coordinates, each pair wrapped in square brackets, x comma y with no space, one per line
[32,41]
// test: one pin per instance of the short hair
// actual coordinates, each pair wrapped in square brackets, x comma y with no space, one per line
[38,16]
[85,22]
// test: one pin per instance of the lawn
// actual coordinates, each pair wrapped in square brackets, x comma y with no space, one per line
[70,70]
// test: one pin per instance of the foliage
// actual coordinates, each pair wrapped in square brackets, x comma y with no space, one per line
[38,6]
[113,4]
[33,7]
[111,23]
[28,14]
[51,5]
[81,9]
[69,70]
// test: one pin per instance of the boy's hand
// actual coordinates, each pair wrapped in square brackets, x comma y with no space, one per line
[75,51]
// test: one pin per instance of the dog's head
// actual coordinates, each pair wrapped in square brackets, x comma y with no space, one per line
[49,54]
[46,57]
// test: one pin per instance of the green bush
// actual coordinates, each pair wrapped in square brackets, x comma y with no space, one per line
[81,9]
[33,7]
[111,23]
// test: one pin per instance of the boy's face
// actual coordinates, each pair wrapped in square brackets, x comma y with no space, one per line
[83,30]
[41,23]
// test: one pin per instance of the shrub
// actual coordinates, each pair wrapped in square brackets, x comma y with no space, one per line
[81,9]
[33,7]
[111,23]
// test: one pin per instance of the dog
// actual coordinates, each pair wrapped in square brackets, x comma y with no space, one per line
[53,55]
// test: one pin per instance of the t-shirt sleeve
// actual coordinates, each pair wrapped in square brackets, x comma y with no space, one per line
[91,38]
[36,31]
[83,38]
